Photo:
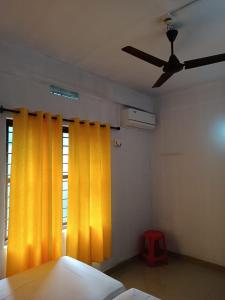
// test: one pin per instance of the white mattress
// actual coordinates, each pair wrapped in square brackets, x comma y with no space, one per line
[64,279]
[134,294]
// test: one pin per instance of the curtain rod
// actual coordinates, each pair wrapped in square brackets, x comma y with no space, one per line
[4,109]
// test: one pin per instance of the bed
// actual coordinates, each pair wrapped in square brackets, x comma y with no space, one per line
[64,279]
[134,294]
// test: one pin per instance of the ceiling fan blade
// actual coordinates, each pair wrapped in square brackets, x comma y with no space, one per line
[163,78]
[144,56]
[194,63]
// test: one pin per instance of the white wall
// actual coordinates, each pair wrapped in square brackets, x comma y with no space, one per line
[188,164]
[24,79]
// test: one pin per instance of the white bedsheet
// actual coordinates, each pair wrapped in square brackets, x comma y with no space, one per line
[64,279]
[134,294]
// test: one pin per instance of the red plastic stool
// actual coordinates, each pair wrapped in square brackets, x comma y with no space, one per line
[155,249]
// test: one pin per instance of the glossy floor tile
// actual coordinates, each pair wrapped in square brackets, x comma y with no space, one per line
[179,280]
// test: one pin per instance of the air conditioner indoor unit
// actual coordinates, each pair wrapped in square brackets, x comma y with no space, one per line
[131,117]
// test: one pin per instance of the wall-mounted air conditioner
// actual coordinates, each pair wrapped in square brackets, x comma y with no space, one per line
[131,117]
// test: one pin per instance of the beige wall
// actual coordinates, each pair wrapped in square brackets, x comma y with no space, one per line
[188,164]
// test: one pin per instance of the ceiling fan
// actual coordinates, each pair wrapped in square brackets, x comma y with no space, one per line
[173,65]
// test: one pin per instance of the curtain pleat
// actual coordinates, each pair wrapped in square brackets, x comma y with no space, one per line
[35,215]
[89,192]
[106,191]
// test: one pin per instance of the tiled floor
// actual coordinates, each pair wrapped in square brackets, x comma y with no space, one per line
[179,280]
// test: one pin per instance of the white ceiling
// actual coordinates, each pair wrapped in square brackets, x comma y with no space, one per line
[90,34]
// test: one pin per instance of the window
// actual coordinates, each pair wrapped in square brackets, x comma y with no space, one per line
[9,138]
[58,91]
[65,173]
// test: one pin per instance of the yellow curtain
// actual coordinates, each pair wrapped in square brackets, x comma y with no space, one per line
[35,216]
[89,192]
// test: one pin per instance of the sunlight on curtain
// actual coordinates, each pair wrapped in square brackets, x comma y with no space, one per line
[35,217]
[89,198]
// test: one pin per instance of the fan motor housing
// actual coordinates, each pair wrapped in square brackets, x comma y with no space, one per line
[173,65]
